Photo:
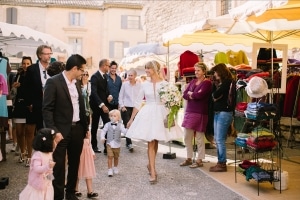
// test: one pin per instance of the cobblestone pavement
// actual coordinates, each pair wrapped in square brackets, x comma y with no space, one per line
[174,182]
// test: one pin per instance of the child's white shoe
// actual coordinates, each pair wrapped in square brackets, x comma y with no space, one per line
[115,169]
[110,173]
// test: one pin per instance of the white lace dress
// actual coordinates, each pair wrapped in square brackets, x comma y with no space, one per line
[148,124]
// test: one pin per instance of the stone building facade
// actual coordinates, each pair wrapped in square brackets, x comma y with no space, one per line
[94,29]
[159,17]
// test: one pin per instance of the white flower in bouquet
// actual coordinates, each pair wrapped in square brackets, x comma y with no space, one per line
[170,96]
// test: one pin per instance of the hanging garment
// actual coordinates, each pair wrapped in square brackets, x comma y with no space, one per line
[265,55]
[3,103]
[3,85]
[221,57]
[237,58]
[187,60]
[290,97]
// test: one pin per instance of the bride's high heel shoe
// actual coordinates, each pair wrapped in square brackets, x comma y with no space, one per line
[149,170]
[153,180]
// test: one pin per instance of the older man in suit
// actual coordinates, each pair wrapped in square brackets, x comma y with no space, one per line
[35,79]
[64,112]
[99,100]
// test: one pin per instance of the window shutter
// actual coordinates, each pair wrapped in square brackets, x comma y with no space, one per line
[123,21]
[70,19]
[11,15]
[111,49]
[8,15]
[82,19]
[14,16]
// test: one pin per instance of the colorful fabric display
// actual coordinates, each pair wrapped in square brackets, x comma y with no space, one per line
[241,142]
[260,74]
[260,111]
[241,106]
[257,173]
[260,131]
[246,164]
[261,176]
[241,139]
[261,143]
[253,71]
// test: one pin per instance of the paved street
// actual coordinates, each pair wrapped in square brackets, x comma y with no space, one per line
[174,182]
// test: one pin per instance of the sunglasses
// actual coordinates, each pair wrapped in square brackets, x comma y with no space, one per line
[85,75]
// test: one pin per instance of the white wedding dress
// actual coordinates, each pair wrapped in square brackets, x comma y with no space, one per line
[148,124]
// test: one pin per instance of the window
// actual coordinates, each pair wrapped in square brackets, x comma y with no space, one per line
[11,15]
[116,49]
[76,44]
[225,6]
[130,22]
[76,19]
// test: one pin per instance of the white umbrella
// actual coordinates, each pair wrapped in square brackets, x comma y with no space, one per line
[15,38]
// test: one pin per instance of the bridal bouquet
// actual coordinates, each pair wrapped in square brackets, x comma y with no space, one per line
[171,97]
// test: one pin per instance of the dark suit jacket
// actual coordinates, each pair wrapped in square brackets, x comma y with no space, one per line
[34,88]
[58,108]
[99,91]
[34,95]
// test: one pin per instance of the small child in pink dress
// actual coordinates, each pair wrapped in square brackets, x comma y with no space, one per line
[87,167]
[113,130]
[41,168]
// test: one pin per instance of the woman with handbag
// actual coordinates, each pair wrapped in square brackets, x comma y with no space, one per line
[197,95]
[223,113]
[19,110]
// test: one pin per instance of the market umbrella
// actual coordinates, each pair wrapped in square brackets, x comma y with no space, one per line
[255,21]
[15,38]
[138,52]
[136,56]
[264,22]
[207,32]
[270,22]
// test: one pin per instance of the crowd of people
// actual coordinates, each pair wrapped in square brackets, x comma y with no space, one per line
[55,103]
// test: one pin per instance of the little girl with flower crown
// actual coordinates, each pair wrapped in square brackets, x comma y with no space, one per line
[41,168]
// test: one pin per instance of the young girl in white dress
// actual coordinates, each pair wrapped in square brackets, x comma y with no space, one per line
[41,168]
[148,123]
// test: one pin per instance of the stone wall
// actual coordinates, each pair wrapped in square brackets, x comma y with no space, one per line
[163,16]
[159,17]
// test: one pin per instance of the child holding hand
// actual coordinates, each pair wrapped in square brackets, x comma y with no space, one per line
[113,130]
[86,168]
[41,168]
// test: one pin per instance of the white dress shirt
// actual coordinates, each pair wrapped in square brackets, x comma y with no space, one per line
[43,73]
[128,94]
[74,97]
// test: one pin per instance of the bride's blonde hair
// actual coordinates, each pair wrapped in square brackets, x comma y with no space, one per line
[153,64]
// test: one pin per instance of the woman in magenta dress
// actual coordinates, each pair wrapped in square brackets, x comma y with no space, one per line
[197,95]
